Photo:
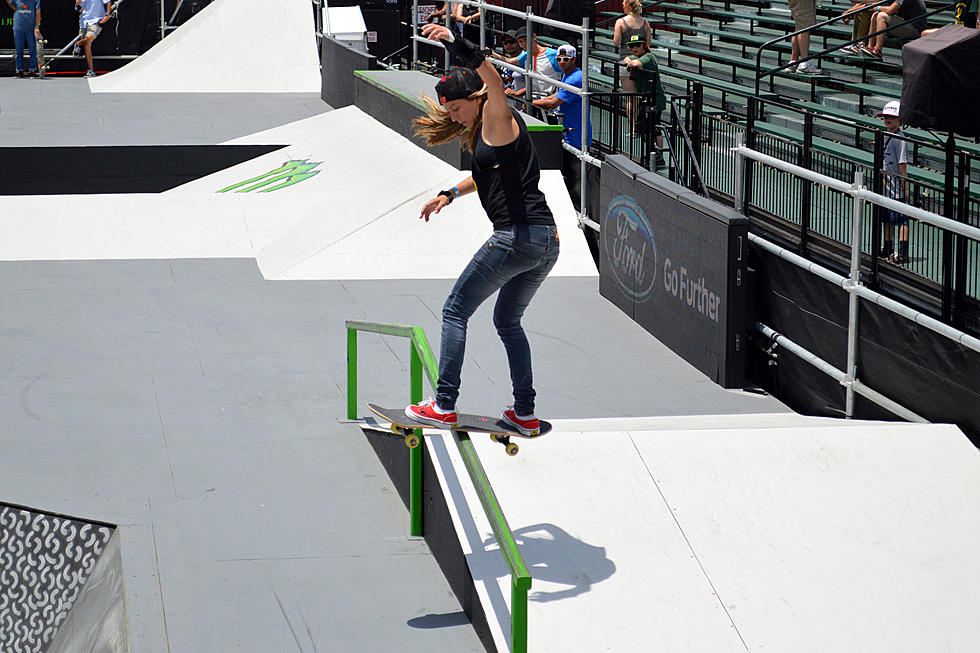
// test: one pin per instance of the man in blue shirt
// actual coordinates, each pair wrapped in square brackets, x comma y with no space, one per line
[569,107]
[27,21]
[93,14]
[569,104]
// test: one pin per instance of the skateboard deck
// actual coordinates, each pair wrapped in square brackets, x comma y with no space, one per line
[42,67]
[498,430]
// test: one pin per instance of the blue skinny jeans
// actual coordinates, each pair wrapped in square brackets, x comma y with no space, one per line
[514,261]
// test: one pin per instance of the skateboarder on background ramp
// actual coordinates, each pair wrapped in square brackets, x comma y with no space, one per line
[27,21]
[524,246]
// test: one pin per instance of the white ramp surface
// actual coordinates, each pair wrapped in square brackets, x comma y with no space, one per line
[231,46]
[356,218]
[811,538]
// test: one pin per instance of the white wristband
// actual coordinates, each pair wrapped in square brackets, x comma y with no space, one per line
[452,37]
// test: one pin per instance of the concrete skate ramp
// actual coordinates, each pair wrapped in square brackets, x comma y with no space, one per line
[231,46]
[356,218]
[730,533]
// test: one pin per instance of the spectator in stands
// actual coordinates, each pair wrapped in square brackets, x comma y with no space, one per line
[968,18]
[93,15]
[468,16]
[631,25]
[513,80]
[895,166]
[643,68]
[903,10]
[27,22]
[862,26]
[545,62]
[804,14]
[569,106]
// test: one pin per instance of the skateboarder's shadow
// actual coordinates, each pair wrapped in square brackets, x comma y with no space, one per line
[553,556]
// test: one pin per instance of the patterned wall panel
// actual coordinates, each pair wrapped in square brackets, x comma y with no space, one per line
[44,562]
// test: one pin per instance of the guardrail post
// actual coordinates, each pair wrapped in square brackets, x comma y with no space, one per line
[753,114]
[518,617]
[877,184]
[739,190]
[351,373]
[959,283]
[415,454]
[806,161]
[412,26]
[853,305]
[949,212]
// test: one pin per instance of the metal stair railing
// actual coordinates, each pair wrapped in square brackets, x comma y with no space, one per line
[422,359]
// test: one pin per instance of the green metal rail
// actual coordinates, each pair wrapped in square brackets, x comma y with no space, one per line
[422,359]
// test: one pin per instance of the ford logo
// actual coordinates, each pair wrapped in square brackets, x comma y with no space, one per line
[628,242]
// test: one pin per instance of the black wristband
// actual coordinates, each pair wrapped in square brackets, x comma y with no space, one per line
[448,194]
[468,53]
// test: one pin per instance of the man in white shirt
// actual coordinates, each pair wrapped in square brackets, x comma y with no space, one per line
[545,62]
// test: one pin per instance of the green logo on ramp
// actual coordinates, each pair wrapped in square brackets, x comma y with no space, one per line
[291,172]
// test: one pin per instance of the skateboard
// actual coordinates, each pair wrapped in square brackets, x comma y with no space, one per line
[498,430]
[42,67]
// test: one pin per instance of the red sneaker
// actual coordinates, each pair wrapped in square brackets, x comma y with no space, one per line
[526,426]
[426,412]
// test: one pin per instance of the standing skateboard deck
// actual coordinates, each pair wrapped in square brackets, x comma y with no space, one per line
[499,430]
[42,67]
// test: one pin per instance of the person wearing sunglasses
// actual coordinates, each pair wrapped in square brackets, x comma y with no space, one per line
[513,48]
[544,61]
[569,106]
[642,66]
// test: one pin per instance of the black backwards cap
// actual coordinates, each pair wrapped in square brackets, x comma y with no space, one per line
[458,84]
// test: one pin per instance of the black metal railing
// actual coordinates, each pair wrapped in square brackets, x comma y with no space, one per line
[943,275]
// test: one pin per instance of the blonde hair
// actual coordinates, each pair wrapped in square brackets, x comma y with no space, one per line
[436,127]
[635,6]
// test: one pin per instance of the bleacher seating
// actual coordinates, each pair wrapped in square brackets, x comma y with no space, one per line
[705,43]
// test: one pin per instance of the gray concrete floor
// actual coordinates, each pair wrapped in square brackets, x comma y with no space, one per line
[56,111]
[199,406]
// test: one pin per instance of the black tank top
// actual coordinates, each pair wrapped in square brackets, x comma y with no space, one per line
[506,179]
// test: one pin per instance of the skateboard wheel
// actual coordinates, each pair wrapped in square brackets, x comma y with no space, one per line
[411,441]
[493,436]
[512,449]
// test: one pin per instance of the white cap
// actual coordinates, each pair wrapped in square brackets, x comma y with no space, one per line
[566,50]
[890,109]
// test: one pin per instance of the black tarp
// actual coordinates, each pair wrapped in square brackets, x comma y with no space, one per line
[920,369]
[939,85]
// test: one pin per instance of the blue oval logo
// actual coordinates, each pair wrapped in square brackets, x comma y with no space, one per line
[630,249]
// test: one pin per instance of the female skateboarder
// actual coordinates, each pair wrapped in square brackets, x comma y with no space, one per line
[524,246]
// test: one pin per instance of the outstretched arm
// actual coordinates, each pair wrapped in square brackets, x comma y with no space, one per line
[499,126]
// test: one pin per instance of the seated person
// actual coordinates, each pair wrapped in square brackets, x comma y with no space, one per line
[895,13]
[862,26]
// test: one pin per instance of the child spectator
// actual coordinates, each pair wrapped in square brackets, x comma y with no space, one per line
[895,166]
